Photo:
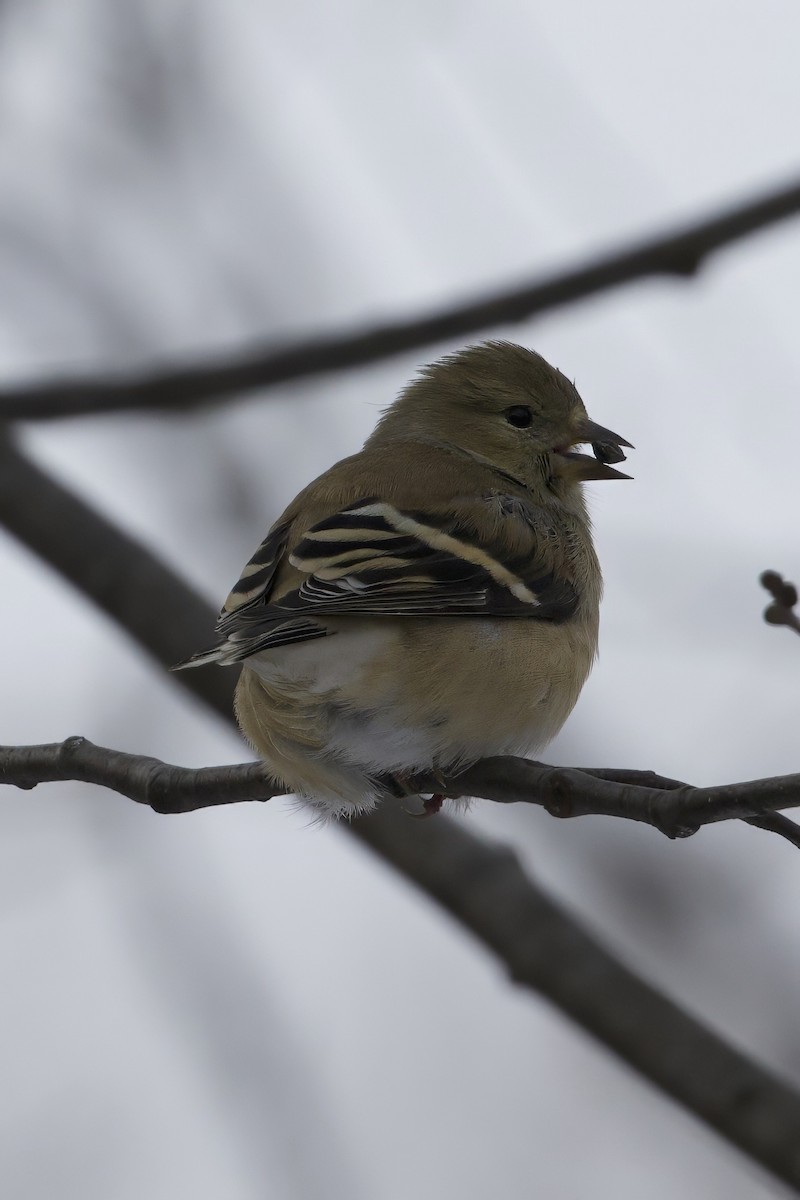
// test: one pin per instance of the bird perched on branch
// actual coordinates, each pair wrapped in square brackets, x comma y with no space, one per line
[433,599]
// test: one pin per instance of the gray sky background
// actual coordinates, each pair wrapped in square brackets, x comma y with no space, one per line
[233,1004]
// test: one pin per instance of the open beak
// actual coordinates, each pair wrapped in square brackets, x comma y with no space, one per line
[607,447]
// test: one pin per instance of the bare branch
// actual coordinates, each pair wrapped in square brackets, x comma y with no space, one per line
[482,886]
[676,810]
[182,389]
[159,785]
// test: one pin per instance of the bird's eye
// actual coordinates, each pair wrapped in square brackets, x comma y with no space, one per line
[519,415]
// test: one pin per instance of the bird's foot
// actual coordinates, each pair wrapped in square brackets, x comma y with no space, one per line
[402,787]
[431,805]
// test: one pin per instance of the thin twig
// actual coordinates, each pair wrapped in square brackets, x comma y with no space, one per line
[482,886]
[778,823]
[181,389]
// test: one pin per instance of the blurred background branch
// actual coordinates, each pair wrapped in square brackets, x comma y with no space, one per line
[183,389]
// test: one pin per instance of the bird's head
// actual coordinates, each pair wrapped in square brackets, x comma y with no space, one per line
[504,405]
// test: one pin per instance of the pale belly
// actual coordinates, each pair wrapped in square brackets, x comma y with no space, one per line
[389,696]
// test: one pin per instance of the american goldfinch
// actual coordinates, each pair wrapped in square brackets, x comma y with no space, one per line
[433,599]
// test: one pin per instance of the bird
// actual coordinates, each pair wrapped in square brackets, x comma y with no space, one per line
[431,600]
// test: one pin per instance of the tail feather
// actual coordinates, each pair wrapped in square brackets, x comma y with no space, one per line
[215,655]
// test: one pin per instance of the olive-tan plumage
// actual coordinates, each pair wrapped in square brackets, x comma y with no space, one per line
[432,600]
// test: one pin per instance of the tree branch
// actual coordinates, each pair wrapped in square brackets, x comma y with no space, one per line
[675,809]
[482,886]
[159,785]
[182,389]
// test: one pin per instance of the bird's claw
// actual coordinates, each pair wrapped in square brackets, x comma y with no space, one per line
[431,806]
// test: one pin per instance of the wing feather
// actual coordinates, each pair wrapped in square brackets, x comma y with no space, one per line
[372,559]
